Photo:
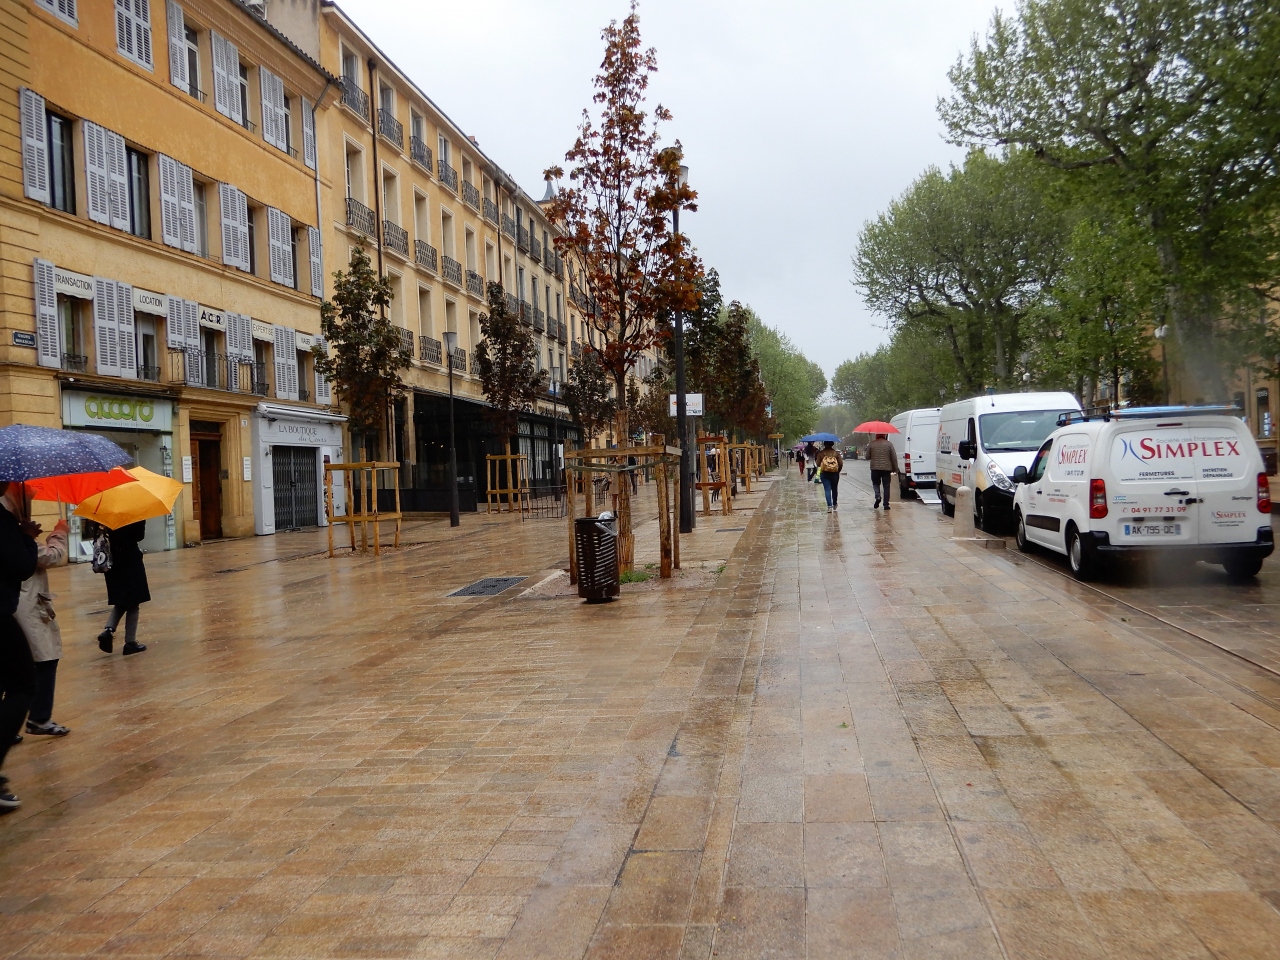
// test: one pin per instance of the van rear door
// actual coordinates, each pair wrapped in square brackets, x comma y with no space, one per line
[1227,466]
[1151,490]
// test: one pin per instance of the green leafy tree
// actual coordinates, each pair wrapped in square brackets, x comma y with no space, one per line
[735,393]
[787,378]
[588,393]
[367,351]
[913,370]
[507,363]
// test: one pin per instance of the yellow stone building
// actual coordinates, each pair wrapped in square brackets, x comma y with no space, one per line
[160,242]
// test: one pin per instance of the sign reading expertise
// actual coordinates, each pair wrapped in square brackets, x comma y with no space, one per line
[109,411]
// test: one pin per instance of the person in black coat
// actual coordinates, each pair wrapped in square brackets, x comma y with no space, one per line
[126,587]
[17,669]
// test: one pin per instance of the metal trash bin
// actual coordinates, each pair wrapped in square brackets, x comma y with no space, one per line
[597,545]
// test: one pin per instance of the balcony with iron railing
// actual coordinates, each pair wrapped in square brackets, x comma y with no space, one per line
[458,360]
[535,248]
[526,311]
[475,284]
[559,267]
[420,153]
[451,270]
[424,255]
[354,97]
[448,175]
[362,218]
[549,257]
[75,362]
[522,238]
[149,373]
[539,323]
[490,210]
[391,128]
[470,195]
[395,238]
[508,226]
[475,363]
[513,305]
[304,394]
[406,340]
[215,371]
[430,350]
[575,350]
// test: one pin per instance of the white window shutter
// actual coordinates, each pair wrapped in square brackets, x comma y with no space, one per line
[234,209]
[273,244]
[286,250]
[104,327]
[242,225]
[323,393]
[97,182]
[35,145]
[233,352]
[221,80]
[175,328]
[317,261]
[48,330]
[193,357]
[117,179]
[308,134]
[62,9]
[133,30]
[125,332]
[273,121]
[231,55]
[177,46]
[186,207]
[293,365]
[170,208]
[280,345]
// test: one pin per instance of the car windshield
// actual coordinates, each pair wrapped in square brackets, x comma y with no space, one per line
[1021,430]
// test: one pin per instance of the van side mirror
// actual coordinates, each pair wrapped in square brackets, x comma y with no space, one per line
[1020,474]
[968,450]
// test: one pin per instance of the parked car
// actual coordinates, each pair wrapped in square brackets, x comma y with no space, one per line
[1184,482]
[983,440]
[917,445]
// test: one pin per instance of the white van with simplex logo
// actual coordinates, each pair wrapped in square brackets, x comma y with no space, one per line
[1185,481]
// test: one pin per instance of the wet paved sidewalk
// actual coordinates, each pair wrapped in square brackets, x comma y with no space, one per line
[858,740]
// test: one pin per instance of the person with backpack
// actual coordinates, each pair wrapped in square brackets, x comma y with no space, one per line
[126,583]
[884,464]
[830,463]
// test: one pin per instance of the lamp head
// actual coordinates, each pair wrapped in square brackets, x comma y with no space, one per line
[684,175]
[450,341]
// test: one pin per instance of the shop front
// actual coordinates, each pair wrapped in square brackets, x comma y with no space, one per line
[143,426]
[290,448]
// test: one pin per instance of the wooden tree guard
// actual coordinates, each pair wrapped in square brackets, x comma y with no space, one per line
[517,466]
[367,502]
[706,484]
[746,452]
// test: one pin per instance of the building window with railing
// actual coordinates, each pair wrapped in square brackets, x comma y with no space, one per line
[139,194]
[75,358]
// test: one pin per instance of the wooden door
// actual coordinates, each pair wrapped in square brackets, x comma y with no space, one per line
[209,477]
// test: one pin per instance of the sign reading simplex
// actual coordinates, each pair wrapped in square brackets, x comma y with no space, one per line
[109,411]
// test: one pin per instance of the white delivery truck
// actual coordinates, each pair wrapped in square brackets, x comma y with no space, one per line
[1183,482]
[917,445]
[983,440]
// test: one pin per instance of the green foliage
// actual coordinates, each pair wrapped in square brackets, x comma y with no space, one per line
[913,370]
[367,351]
[506,360]
[633,576]
[787,376]
[587,393]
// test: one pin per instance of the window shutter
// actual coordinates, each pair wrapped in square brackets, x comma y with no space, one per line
[272,109]
[104,327]
[117,179]
[170,209]
[286,357]
[48,330]
[62,9]
[286,250]
[273,244]
[231,53]
[226,77]
[234,208]
[186,208]
[35,146]
[317,261]
[293,366]
[177,46]
[242,223]
[97,182]
[125,332]
[191,329]
[133,30]
[323,393]
[308,134]
[175,329]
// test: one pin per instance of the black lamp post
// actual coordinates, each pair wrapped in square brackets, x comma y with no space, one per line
[451,344]
[554,390]
[1161,332]
[687,520]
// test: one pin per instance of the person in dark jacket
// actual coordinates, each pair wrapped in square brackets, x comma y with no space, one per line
[884,464]
[126,587]
[17,669]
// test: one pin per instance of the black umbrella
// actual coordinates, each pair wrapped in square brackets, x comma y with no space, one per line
[28,453]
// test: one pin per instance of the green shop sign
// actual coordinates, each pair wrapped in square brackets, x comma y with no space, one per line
[116,412]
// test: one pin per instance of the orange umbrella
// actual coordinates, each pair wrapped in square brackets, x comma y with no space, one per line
[875,426]
[76,487]
[152,496]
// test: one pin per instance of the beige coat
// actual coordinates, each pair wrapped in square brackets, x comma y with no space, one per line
[35,604]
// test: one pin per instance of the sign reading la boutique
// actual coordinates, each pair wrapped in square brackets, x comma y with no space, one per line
[114,411]
[299,433]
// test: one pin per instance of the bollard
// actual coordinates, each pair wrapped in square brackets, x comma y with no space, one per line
[964,528]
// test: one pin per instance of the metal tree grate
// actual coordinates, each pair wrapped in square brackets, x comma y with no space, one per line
[730,529]
[488,587]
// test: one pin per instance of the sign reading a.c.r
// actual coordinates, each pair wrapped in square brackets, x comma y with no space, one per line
[118,408]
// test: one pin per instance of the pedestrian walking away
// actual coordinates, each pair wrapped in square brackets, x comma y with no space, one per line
[800,461]
[35,615]
[17,669]
[884,464]
[830,464]
[811,458]
[126,587]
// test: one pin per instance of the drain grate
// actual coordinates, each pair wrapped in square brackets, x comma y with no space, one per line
[730,529]
[488,587]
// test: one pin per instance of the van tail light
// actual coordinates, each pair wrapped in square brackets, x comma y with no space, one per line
[906,463]
[1097,499]
[1264,494]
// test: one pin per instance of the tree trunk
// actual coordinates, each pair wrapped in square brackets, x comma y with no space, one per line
[626,539]
[1192,319]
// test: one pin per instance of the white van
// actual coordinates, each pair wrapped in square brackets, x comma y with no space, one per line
[983,440]
[1188,481]
[917,445]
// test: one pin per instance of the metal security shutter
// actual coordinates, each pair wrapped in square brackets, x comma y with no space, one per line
[62,9]
[170,208]
[280,239]
[273,115]
[133,30]
[286,362]
[323,393]
[294,487]
[117,179]
[226,77]
[125,332]
[35,145]
[105,339]
[177,46]
[48,330]
[97,182]
[308,133]
[317,261]
[186,207]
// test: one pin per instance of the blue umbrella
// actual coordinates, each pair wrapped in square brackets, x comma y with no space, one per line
[820,438]
[28,453]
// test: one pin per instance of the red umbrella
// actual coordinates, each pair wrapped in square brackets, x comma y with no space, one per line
[875,426]
[76,487]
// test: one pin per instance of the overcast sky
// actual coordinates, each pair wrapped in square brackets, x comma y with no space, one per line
[800,120]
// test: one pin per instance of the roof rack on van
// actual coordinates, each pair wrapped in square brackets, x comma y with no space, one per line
[1081,416]
[1143,413]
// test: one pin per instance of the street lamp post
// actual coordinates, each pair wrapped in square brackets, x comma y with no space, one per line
[1160,333]
[451,344]
[687,520]
[555,428]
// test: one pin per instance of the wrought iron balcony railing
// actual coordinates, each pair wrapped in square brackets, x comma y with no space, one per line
[391,128]
[406,339]
[395,237]
[475,284]
[354,97]
[490,210]
[420,153]
[304,394]
[148,373]
[451,270]
[362,218]
[522,239]
[508,226]
[526,311]
[424,255]
[75,362]
[513,305]
[458,360]
[559,268]
[535,248]
[448,175]
[538,322]
[475,363]
[429,349]
[575,350]
[470,195]
[549,257]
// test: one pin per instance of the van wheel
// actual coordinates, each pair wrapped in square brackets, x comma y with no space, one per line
[1082,564]
[1243,568]
[1020,533]
[948,509]
[978,512]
